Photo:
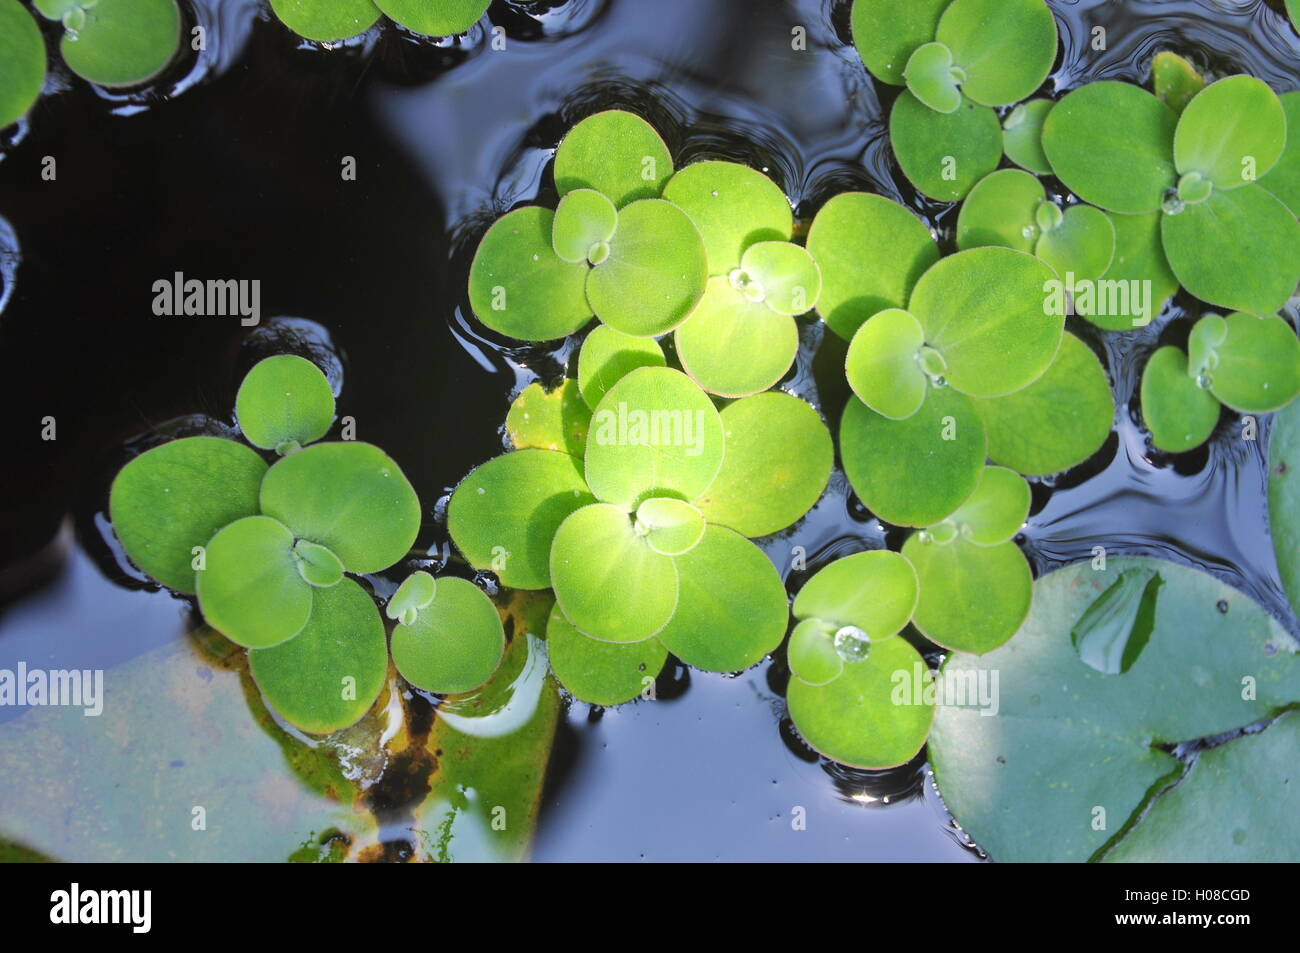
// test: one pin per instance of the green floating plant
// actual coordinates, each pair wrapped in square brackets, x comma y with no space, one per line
[1098,646]
[957,59]
[1175,81]
[284,403]
[116,42]
[846,657]
[549,420]
[1022,134]
[1227,238]
[22,61]
[328,21]
[1246,363]
[975,583]
[449,636]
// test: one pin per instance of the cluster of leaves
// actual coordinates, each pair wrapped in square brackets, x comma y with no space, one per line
[327,21]
[109,42]
[269,551]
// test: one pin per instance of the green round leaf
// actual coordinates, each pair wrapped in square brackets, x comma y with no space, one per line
[1112,144]
[326,20]
[123,42]
[250,589]
[316,564]
[1081,247]
[608,581]
[455,642]
[1022,135]
[1004,48]
[973,598]
[944,154]
[656,271]
[1122,299]
[932,79]
[601,673]
[416,592]
[871,252]
[883,364]
[789,279]
[1231,132]
[733,206]
[654,433]
[731,605]
[1283,180]
[812,654]
[284,402]
[519,287]
[1238,249]
[985,311]
[437,18]
[996,510]
[609,355]
[1001,210]
[875,591]
[22,61]
[504,515]
[1256,368]
[1179,414]
[855,719]
[175,497]
[886,32]
[1284,497]
[1025,779]
[1175,80]
[616,153]
[350,497]
[1056,422]
[671,527]
[734,346]
[917,471]
[549,420]
[777,463]
[584,223]
[327,677]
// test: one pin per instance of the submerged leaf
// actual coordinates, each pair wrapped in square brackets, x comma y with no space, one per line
[1113,631]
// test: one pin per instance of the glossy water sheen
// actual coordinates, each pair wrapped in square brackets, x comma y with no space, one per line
[229,167]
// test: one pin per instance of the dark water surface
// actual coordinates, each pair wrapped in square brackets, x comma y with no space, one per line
[229,166]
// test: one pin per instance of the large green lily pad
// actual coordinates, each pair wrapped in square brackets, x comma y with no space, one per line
[22,61]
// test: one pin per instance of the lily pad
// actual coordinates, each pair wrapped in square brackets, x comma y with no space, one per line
[416,592]
[175,497]
[519,287]
[122,42]
[326,21]
[871,252]
[996,510]
[777,463]
[734,346]
[608,581]
[1179,412]
[22,61]
[608,355]
[944,154]
[1079,244]
[1231,132]
[883,364]
[875,591]
[780,274]
[1112,144]
[504,515]
[616,153]
[1283,180]
[1001,210]
[933,79]
[349,497]
[973,598]
[1238,249]
[731,605]
[1022,135]
[1284,497]
[855,719]
[914,472]
[1056,422]
[1004,48]
[672,527]
[886,32]
[283,403]
[454,644]
[1138,282]
[328,675]
[1175,80]
[1255,368]
[733,206]
[1072,755]
[584,223]
[655,273]
[811,653]
[436,18]
[251,590]
[549,420]
[654,433]
[601,673]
